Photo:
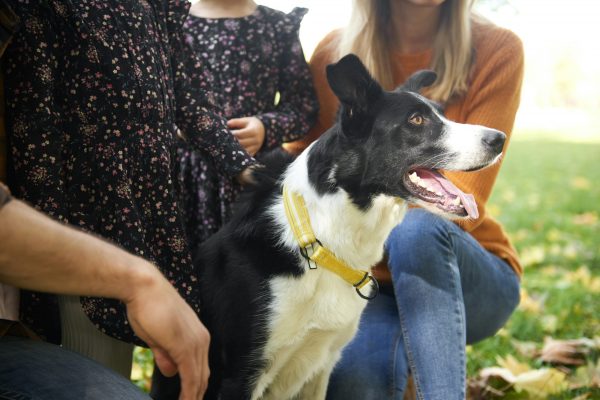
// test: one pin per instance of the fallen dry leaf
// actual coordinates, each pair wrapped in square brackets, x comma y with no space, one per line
[529,304]
[588,218]
[537,383]
[512,365]
[498,372]
[479,388]
[540,383]
[579,182]
[566,352]
[588,376]
[584,277]
[532,255]
[525,349]
[584,396]
[549,323]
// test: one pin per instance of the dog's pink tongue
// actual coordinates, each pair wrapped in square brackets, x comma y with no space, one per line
[438,180]
[468,201]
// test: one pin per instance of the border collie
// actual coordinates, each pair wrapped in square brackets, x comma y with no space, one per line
[278,324]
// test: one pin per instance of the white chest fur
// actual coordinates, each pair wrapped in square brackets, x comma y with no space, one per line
[313,317]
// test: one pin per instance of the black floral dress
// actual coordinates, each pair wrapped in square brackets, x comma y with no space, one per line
[245,63]
[95,92]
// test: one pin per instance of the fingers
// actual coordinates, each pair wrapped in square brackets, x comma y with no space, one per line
[166,365]
[194,371]
[249,131]
[170,327]
[238,123]
[249,140]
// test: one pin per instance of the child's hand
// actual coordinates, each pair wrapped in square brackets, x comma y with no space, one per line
[249,131]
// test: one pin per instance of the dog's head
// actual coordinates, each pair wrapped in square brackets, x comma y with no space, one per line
[393,143]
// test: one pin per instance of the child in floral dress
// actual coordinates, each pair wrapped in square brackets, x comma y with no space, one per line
[253,64]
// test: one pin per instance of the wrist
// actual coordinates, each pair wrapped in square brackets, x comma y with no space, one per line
[140,277]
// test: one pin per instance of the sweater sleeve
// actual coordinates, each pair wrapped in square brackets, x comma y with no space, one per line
[323,55]
[296,110]
[492,101]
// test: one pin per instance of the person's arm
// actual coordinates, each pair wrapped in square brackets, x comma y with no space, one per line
[296,111]
[37,253]
[323,55]
[492,101]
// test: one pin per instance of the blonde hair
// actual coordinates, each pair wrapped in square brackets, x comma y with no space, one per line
[368,35]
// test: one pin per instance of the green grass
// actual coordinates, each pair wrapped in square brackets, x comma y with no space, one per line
[548,198]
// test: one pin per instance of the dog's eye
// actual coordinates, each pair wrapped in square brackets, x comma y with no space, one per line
[416,119]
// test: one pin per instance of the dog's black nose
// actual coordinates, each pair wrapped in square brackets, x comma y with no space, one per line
[494,140]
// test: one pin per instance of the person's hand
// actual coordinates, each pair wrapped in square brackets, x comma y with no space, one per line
[249,131]
[179,341]
[89,266]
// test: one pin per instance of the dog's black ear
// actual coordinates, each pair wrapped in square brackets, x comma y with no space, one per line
[419,80]
[352,84]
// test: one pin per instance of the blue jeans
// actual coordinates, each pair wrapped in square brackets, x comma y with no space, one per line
[447,291]
[32,370]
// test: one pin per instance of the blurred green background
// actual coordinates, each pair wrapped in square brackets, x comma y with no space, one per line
[548,200]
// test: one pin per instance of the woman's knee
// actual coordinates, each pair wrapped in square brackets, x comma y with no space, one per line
[487,315]
[421,238]
[419,226]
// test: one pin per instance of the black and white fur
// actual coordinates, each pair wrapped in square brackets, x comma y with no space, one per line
[277,327]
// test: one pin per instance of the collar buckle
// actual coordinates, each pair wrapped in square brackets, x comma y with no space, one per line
[308,251]
[359,285]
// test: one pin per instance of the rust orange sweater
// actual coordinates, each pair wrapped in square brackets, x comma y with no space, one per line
[492,100]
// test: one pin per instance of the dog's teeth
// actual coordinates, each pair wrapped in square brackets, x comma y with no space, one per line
[422,184]
[438,193]
[456,201]
[414,177]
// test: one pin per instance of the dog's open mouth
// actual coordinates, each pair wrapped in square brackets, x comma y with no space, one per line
[431,187]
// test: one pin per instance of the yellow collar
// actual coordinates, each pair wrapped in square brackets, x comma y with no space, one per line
[312,249]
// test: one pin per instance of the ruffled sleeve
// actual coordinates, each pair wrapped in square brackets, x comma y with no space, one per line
[294,19]
[297,108]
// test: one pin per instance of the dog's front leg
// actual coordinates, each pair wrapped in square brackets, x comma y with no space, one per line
[316,388]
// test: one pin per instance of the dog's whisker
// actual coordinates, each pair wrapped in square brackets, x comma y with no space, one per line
[438,159]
